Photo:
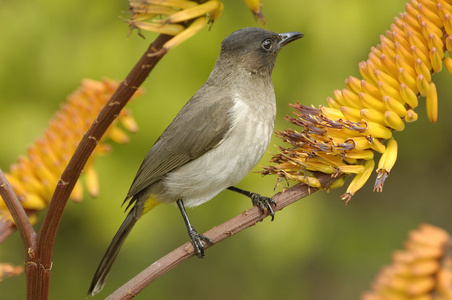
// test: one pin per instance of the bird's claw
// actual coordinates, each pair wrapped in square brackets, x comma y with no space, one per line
[264,203]
[197,242]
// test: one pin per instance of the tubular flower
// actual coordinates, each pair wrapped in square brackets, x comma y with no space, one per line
[180,18]
[34,176]
[256,8]
[421,271]
[340,138]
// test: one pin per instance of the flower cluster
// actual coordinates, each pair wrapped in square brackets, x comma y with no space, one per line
[180,18]
[34,176]
[421,271]
[340,138]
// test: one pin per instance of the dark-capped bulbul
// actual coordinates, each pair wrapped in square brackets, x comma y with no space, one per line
[214,141]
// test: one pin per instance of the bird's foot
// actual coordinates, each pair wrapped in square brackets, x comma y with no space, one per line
[264,203]
[197,241]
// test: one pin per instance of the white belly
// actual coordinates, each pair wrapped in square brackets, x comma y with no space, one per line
[227,164]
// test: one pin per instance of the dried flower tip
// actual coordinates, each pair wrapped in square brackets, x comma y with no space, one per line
[256,8]
[385,164]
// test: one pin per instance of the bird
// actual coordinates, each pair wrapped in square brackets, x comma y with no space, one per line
[215,140]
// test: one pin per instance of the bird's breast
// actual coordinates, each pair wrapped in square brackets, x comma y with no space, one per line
[253,124]
[229,162]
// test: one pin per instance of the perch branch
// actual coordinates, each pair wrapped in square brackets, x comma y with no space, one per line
[218,233]
[18,213]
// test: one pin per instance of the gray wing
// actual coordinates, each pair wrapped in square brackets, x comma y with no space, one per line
[198,127]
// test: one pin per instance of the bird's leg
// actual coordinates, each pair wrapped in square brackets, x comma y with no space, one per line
[264,203]
[196,238]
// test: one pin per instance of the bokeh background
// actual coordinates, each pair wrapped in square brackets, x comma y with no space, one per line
[317,248]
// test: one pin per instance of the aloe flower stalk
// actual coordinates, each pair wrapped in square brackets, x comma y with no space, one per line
[358,120]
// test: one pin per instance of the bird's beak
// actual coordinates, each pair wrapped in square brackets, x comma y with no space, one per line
[288,37]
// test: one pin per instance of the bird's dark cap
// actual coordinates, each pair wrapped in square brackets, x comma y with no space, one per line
[288,37]
[253,49]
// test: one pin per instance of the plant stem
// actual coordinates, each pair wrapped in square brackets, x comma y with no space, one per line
[38,287]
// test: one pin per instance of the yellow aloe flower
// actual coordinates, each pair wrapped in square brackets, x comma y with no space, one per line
[34,176]
[180,18]
[362,116]
[420,271]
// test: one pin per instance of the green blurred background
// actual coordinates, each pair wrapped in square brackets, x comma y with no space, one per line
[317,248]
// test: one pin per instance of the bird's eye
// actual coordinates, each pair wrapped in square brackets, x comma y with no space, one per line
[267,44]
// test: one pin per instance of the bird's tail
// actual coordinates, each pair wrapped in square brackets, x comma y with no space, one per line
[104,267]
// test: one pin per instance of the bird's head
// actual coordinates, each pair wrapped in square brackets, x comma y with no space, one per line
[255,49]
